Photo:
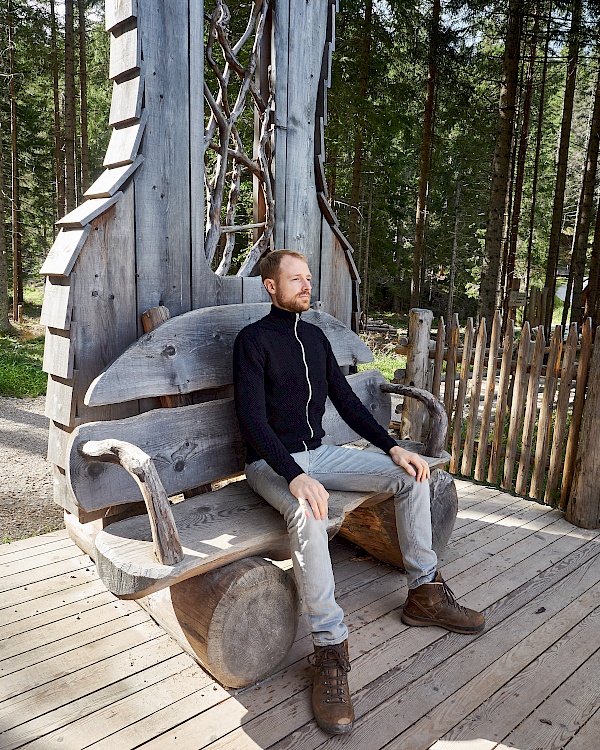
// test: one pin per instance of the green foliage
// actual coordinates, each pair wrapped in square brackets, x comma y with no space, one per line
[21,366]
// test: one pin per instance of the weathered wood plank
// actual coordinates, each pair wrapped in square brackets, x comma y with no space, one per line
[193,445]
[560,420]
[124,144]
[111,180]
[162,187]
[193,351]
[301,212]
[126,101]
[103,303]
[530,413]
[151,683]
[57,307]
[490,388]
[214,530]
[59,352]
[65,251]
[465,373]
[518,403]
[280,74]
[545,417]
[578,403]
[124,54]
[118,11]
[253,290]
[88,211]
[476,381]
[587,734]
[451,359]
[60,400]
[501,404]
[439,358]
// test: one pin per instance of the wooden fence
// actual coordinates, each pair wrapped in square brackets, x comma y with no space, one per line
[523,412]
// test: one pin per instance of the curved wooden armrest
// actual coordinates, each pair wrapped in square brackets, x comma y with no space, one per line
[438,428]
[167,546]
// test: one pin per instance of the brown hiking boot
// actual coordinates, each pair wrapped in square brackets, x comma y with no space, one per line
[434,604]
[330,695]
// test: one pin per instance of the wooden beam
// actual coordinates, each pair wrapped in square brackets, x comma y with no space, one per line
[111,180]
[88,211]
[124,54]
[64,251]
[119,11]
[58,302]
[124,143]
[126,101]
[59,352]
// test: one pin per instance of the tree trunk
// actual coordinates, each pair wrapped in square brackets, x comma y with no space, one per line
[15,199]
[500,165]
[536,164]
[522,155]
[584,211]
[592,307]
[69,116]
[4,304]
[454,248]
[563,153]
[58,145]
[357,161]
[425,163]
[83,113]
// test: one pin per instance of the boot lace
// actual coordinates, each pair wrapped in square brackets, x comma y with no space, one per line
[333,667]
[451,599]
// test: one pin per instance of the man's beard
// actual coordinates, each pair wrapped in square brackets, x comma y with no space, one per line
[295,304]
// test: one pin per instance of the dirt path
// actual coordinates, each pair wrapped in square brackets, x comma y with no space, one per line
[26,505]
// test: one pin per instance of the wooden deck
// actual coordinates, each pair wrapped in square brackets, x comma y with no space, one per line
[79,669]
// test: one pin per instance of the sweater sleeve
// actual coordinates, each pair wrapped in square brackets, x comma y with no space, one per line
[250,405]
[351,409]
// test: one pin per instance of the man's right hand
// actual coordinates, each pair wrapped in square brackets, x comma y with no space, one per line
[309,490]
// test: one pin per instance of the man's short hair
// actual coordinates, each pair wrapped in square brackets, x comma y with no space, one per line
[269,265]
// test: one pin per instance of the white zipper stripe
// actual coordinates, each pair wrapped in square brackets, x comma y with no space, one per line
[307,377]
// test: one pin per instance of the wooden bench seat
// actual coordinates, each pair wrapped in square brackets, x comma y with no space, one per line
[191,563]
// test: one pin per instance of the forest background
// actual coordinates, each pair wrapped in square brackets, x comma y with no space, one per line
[462,146]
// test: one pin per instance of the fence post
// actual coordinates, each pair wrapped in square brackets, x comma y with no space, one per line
[583,509]
[417,366]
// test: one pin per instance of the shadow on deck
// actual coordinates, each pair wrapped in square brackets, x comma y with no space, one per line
[80,669]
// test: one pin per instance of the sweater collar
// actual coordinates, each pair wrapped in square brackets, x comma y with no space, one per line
[286,317]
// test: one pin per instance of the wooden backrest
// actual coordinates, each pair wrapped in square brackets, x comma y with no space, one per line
[196,444]
[193,352]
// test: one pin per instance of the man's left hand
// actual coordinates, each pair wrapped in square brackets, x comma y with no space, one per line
[412,463]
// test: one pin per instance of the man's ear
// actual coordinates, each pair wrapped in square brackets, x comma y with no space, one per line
[269,286]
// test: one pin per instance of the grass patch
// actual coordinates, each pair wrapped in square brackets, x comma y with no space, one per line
[21,365]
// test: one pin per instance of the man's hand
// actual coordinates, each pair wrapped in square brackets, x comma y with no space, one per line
[309,490]
[412,463]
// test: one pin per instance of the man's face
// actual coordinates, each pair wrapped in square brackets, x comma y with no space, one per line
[291,290]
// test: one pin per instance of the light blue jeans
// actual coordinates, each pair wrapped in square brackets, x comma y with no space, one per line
[339,468]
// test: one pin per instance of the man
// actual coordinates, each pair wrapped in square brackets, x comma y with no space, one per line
[284,369]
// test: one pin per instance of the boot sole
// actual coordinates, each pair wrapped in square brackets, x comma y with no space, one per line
[423,622]
[335,728]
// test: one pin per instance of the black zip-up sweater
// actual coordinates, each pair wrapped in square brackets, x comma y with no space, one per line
[283,370]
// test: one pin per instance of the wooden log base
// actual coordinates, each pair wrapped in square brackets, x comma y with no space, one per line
[238,622]
[374,528]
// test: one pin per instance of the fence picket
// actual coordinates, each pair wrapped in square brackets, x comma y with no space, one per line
[560,422]
[465,371]
[518,402]
[545,418]
[501,404]
[490,389]
[451,360]
[580,386]
[530,413]
[467,459]
[439,358]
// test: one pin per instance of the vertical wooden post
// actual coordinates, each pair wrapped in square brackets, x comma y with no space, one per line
[490,389]
[467,460]
[501,405]
[584,503]
[439,358]
[451,361]
[465,372]
[417,365]
[583,367]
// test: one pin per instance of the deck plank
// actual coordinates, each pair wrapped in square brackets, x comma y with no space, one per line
[83,670]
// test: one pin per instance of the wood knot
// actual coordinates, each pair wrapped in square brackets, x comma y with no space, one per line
[169,351]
